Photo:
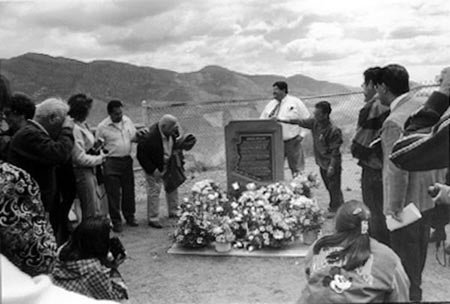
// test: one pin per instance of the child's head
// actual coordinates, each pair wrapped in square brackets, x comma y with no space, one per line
[352,216]
[90,239]
[352,225]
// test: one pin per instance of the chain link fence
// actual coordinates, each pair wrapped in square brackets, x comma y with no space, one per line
[207,121]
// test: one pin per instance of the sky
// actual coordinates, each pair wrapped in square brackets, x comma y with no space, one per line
[324,39]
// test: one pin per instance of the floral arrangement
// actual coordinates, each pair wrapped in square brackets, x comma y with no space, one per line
[271,216]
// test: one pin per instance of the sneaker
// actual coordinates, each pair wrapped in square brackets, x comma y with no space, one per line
[155,224]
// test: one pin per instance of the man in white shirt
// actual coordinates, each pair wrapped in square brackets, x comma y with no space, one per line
[286,107]
[118,132]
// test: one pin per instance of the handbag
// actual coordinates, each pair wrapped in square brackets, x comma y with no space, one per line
[174,175]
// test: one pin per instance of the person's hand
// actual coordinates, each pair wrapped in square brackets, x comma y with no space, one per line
[330,171]
[112,262]
[444,81]
[443,195]
[142,132]
[68,123]
[395,215]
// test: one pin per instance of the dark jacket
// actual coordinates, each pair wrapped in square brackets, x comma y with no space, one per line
[150,151]
[425,144]
[33,150]
[370,121]
[327,140]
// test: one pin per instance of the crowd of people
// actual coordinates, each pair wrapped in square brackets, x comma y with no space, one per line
[363,261]
[50,157]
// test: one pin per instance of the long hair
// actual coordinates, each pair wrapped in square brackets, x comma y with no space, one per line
[90,239]
[349,236]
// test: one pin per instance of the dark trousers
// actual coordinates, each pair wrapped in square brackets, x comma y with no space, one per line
[333,185]
[65,195]
[119,186]
[411,244]
[294,153]
[372,194]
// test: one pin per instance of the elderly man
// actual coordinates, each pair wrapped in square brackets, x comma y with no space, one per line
[153,153]
[402,187]
[118,133]
[42,144]
[285,107]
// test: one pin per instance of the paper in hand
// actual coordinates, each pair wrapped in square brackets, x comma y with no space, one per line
[409,215]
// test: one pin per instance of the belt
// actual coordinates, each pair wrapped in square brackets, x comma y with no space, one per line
[291,139]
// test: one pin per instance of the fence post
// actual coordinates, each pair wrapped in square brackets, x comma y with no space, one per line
[144,117]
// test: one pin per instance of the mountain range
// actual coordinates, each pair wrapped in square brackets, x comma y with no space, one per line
[42,76]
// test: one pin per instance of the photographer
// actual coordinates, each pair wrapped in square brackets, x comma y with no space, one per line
[88,262]
[84,158]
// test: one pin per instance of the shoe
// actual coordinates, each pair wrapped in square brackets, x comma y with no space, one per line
[155,224]
[132,223]
[438,235]
[117,228]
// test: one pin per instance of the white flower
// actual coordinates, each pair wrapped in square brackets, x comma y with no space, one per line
[251,186]
[278,234]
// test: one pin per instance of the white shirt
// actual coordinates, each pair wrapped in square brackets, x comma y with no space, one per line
[167,145]
[84,141]
[290,108]
[117,136]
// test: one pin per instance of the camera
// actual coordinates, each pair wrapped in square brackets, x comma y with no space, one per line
[98,147]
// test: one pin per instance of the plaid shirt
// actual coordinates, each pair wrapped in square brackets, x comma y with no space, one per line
[89,277]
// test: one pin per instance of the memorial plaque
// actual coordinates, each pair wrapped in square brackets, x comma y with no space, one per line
[254,152]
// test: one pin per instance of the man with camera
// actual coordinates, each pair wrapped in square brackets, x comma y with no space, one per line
[118,133]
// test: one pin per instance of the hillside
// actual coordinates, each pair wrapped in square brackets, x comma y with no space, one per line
[42,76]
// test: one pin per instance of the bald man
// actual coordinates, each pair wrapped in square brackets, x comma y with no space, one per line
[153,153]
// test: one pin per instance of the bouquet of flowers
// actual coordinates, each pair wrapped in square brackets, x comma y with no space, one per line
[194,226]
[303,184]
[310,216]
[270,216]
[222,231]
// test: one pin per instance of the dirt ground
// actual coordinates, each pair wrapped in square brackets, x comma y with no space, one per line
[153,276]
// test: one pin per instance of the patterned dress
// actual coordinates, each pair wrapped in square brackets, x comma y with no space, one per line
[26,237]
